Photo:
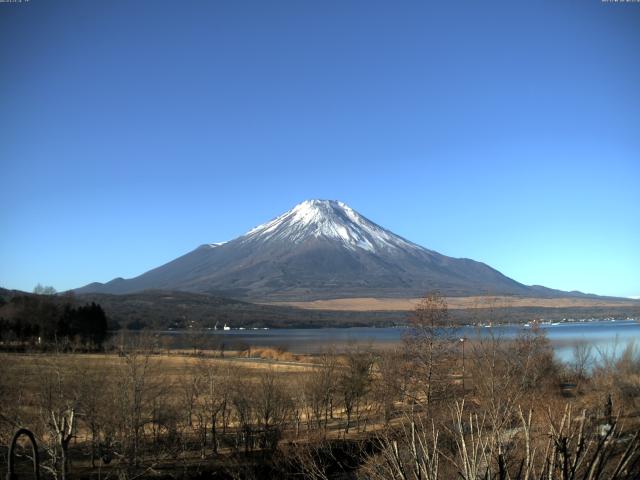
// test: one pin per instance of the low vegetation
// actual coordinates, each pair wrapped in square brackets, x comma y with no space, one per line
[436,408]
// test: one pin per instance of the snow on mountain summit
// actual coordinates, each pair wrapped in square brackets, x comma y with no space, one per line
[329,219]
[318,249]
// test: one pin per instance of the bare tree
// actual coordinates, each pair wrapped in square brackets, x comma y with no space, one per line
[92,385]
[504,373]
[354,382]
[320,389]
[428,345]
[582,360]
[63,424]
[189,387]
[296,394]
[391,381]
[272,407]
[133,399]
[242,399]
[57,404]
[40,289]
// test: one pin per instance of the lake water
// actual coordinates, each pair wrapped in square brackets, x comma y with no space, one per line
[608,336]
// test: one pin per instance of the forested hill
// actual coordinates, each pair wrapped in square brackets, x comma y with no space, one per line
[162,310]
[178,310]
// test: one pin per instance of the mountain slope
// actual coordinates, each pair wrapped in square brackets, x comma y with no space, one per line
[319,249]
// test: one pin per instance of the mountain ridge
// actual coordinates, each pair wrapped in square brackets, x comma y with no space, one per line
[320,249]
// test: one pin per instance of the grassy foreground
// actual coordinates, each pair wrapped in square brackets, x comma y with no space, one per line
[506,411]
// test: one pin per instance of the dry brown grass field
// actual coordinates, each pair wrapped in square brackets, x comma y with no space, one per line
[186,413]
[455,303]
[504,409]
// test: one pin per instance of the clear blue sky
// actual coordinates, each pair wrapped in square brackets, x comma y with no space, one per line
[507,132]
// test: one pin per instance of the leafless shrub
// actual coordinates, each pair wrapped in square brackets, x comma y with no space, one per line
[412,453]
[575,448]
[582,360]
[504,372]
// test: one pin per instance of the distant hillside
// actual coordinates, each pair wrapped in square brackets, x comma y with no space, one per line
[179,310]
[161,310]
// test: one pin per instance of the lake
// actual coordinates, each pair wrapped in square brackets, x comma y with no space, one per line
[608,336]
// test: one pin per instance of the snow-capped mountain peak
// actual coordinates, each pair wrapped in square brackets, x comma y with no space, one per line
[318,249]
[329,219]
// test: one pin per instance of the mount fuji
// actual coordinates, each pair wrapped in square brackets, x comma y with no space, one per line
[320,249]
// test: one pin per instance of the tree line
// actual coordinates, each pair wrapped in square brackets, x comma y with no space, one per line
[52,322]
